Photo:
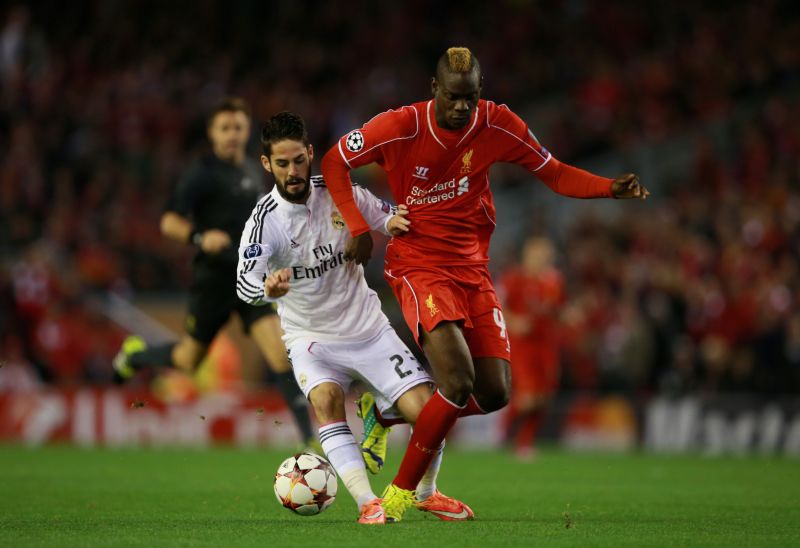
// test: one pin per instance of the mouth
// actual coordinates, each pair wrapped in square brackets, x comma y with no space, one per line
[295,185]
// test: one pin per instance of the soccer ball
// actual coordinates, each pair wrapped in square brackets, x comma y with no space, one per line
[306,484]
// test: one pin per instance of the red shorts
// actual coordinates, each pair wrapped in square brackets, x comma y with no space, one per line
[463,294]
[535,369]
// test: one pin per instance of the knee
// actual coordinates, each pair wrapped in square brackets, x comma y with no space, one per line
[493,398]
[327,400]
[493,391]
[493,401]
[457,386]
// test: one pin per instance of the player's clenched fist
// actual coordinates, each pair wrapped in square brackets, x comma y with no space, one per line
[398,224]
[277,284]
[628,186]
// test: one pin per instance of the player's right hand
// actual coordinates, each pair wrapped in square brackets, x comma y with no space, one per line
[277,284]
[399,224]
[214,240]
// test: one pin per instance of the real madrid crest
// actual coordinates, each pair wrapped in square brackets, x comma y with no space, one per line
[337,220]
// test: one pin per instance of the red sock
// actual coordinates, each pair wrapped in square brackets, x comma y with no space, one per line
[386,423]
[434,422]
[527,433]
[472,408]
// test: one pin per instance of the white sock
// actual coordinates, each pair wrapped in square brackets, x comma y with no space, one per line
[427,485]
[345,455]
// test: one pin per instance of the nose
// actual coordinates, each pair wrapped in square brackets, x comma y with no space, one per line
[461,105]
[293,170]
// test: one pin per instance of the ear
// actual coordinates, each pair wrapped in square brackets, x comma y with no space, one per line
[310,153]
[434,86]
[266,164]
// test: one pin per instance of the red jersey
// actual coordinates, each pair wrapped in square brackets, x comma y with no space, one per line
[538,298]
[443,177]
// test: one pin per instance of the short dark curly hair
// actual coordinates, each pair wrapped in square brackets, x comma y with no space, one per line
[228,104]
[284,125]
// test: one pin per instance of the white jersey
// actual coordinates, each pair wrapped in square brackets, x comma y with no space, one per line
[328,298]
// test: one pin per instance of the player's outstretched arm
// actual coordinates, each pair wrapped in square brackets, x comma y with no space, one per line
[337,178]
[628,186]
[518,145]
[276,285]
[358,148]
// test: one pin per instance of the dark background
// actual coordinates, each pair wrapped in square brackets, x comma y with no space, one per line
[102,106]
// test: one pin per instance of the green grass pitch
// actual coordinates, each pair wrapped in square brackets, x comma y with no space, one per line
[60,496]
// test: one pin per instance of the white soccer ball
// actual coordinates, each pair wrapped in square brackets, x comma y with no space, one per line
[306,484]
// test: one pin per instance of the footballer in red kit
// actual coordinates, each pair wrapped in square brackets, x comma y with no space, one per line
[533,294]
[437,155]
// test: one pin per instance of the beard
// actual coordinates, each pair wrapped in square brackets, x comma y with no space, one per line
[299,191]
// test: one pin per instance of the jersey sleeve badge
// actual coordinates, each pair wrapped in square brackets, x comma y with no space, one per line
[337,220]
[252,251]
[354,141]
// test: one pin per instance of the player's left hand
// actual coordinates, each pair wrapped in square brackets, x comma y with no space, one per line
[399,224]
[359,249]
[628,186]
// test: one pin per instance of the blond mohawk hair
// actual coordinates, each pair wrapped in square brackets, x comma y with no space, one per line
[459,59]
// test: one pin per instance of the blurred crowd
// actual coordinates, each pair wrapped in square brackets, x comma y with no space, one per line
[102,106]
[700,289]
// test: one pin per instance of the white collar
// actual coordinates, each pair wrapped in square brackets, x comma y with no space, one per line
[291,207]
[432,124]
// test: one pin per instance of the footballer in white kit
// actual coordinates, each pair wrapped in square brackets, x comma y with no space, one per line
[333,325]
[294,252]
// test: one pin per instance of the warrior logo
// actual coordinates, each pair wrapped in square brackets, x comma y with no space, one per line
[463,185]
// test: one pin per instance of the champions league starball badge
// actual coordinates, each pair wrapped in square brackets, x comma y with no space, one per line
[354,141]
[252,251]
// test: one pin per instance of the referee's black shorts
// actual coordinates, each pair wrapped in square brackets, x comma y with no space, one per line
[212,299]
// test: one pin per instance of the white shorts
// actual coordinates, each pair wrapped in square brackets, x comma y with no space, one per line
[383,362]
